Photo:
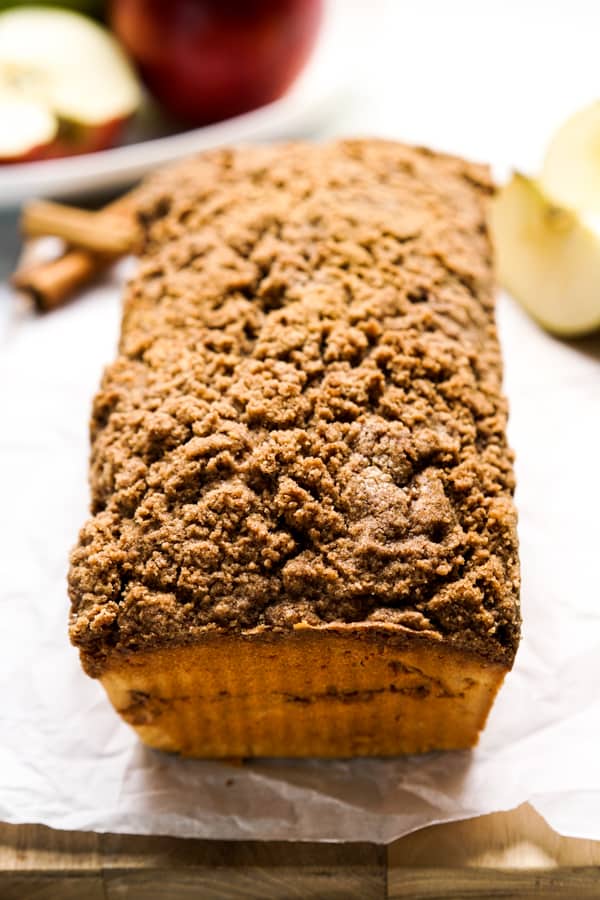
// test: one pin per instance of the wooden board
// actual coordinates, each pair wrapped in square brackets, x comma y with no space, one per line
[504,855]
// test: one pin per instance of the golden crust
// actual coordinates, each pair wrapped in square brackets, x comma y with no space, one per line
[323,692]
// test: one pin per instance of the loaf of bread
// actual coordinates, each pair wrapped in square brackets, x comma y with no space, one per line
[303,536]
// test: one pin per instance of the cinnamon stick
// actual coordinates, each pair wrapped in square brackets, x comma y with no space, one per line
[106,232]
[51,283]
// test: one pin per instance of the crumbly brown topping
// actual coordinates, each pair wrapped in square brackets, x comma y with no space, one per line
[305,421]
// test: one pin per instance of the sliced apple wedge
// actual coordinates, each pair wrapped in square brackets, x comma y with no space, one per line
[571,169]
[72,68]
[548,258]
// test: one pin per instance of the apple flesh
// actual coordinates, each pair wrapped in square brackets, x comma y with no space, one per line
[65,85]
[207,60]
[571,169]
[548,258]
[28,128]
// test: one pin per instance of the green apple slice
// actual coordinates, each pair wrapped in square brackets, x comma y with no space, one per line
[571,169]
[27,126]
[69,64]
[548,257]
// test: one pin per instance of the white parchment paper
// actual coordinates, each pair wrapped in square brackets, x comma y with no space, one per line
[67,761]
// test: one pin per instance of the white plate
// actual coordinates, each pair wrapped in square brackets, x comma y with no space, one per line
[308,105]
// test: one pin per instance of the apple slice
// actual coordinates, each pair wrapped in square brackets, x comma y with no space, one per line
[571,169]
[74,69]
[548,257]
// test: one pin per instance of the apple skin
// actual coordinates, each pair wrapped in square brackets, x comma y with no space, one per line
[33,154]
[208,60]
[73,140]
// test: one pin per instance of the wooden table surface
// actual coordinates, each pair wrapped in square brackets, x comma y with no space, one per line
[513,854]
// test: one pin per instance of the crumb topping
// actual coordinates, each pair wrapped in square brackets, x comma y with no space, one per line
[305,420]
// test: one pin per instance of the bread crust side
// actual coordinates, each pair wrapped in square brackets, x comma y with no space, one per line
[315,692]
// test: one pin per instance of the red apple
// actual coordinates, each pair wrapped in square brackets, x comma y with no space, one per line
[66,86]
[207,60]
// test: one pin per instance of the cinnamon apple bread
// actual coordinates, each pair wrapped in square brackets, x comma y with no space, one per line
[302,539]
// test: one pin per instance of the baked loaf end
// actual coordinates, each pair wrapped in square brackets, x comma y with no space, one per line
[304,428]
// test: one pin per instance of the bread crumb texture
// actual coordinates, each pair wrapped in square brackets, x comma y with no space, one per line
[304,423]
